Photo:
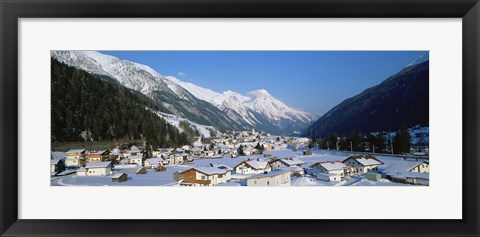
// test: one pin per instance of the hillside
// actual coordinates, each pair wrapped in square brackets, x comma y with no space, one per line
[86,107]
[402,98]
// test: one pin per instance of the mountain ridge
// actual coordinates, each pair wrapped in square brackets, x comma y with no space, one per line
[402,98]
[228,110]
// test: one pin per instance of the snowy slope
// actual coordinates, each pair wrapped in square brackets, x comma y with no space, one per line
[174,120]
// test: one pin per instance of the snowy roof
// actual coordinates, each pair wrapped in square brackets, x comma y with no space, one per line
[402,166]
[73,151]
[366,160]
[292,161]
[182,154]
[98,152]
[54,161]
[293,168]
[134,148]
[221,166]
[117,175]
[209,170]
[411,175]
[97,164]
[154,160]
[81,169]
[330,165]
[255,164]
[271,174]
[135,157]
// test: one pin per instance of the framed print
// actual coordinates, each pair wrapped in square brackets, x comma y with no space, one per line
[229,116]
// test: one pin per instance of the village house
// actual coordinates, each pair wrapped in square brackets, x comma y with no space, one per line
[329,170]
[96,169]
[179,159]
[74,157]
[134,151]
[274,178]
[119,177]
[252,167]
[137,159]
[98,156]
[362,164]
[204,176]
[56,166]
[152,163]
[277,163]
[411,172]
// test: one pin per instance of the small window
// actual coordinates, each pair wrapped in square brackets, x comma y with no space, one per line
[254,181]
[203,177]
[268,182]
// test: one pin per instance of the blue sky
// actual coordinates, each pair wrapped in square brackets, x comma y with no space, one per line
[312,81]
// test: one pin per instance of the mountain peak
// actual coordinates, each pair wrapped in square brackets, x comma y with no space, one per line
[260,93]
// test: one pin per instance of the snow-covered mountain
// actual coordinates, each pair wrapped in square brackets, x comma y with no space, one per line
[229,109]
[245,107]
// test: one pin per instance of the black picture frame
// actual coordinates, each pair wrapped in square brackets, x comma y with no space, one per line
[11,11]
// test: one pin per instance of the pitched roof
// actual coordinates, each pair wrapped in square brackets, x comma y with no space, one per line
[255,164]
[97,164]
[98,152]
[330,165]
[402,166]
[135,157]
[292,161]
[154,160]
[54,161]
[366,160]
[117,175]
[73,151]
[271,174]
[134,148]
[207,170]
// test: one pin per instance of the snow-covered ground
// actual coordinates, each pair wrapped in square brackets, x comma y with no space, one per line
[165,178]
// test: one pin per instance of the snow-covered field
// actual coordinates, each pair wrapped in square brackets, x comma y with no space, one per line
[165,178]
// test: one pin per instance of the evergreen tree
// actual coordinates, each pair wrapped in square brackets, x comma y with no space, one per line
[402,141]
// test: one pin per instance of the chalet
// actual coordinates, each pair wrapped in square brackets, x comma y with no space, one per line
[329,170]
[134,151]
[137,159]
[56,166]
[74,157]
[98,156]
[98,169]
[76,153]
[362,164]
[252,167]
[276,163]
[410,172]
[154,163]
[204,176]
[119,177]
[272,179]
[407,166]
[179,159]
[183,158]
[141,170]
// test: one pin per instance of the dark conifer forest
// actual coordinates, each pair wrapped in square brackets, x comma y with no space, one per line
[86,107]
